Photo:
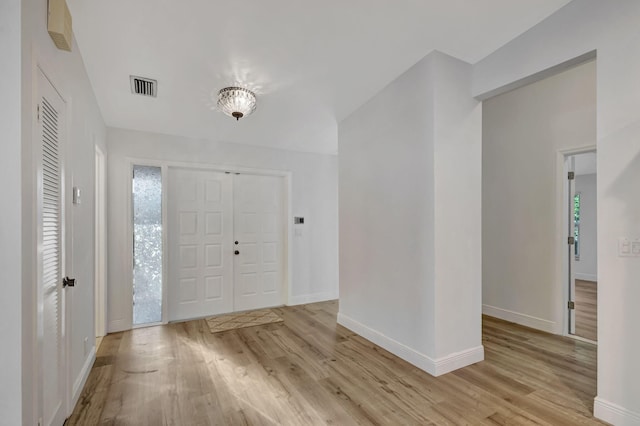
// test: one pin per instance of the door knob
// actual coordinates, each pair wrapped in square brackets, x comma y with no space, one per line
[68,282]
[236,243]
[236,252]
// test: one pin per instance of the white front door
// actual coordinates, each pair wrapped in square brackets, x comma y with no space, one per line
[212,216]
[200,246]
[50,137]
[258,229]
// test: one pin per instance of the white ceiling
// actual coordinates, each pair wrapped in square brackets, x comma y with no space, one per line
[311,63]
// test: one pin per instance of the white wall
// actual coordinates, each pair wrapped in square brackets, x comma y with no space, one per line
[521,134]
[409,176]
[612,29]
[66,71]
[457,204]
[10,218]
[386,187]
[314,196]
[587,267]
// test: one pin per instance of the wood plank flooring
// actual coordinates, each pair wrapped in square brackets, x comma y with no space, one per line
[587,309]
[310,371]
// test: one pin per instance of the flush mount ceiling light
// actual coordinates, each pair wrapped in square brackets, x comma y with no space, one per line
[236,102]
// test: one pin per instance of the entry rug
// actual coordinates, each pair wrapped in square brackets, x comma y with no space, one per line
[242,320]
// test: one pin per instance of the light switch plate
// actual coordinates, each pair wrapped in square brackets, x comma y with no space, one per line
[624,247]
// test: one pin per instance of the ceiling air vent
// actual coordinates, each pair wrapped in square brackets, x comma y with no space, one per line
[144,86]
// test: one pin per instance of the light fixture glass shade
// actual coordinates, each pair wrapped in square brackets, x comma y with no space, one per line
[236,102]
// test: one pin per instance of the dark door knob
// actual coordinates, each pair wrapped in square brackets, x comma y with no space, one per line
[236,243]
[236,252]
[68,282]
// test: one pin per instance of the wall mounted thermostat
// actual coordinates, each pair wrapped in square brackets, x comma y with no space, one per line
[298,220]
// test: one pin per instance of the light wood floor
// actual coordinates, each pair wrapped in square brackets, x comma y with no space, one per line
[587,309]
[309,371]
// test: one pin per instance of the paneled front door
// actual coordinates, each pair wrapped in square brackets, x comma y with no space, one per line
[226,242]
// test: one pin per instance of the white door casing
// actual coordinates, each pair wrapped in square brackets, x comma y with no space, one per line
[571,232]
[259,231]
[100,243]
[200,248]
[50,139]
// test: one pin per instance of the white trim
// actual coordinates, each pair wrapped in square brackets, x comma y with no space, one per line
[118,325]
[150,324]
[522,319]
[562,254]
[164,187]
[582,339]
[457,360]
[100,242]
[586,277]
[311,298]
[435,367]
[206,166]
[78,385]
[288,240]
[614,414]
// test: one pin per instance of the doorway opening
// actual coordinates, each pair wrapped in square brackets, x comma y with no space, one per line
[147,245]
[100,244]
[582,277]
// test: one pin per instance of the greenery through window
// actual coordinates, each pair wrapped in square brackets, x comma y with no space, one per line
[576,225]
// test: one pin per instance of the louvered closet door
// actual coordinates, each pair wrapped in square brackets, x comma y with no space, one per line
[50,134]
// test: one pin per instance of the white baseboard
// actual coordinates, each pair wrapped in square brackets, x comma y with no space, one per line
[614,414]
[435,367]
[116,326]
[522,319]
[312,298]
[78,385]
[458,360]
[586,277]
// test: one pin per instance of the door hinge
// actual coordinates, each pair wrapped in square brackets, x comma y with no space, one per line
[38,113]
[571,304]
[571,240]
[571,176]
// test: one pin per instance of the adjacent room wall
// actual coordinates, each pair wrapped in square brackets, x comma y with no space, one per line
[522,132]
[10,218]
[314,196]
[409,176]
[85,126]
[587,267]
[611,29]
